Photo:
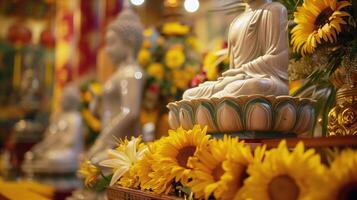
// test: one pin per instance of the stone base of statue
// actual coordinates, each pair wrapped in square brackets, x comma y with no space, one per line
[254,115]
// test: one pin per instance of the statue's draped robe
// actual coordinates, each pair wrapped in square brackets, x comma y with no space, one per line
[258,50]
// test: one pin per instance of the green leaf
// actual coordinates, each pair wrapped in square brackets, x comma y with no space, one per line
[103,183]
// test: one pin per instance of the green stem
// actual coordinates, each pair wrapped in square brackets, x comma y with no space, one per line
[104,177]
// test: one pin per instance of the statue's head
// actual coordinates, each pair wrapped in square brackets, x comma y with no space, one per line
[124,36]
[70,98]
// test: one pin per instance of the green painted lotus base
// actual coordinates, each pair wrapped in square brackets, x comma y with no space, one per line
[250,116]
[256,135]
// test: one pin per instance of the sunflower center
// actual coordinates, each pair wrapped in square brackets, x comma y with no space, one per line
[348,191]
[323,17]
[217,172]
[283,187]
[243,175]
[184,154]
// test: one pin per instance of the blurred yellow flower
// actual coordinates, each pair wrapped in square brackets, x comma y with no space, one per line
[211,66]
[175,28]
[91,120]
[146,44]
[87,96]
[190,71]
[341,180]
[175,58]
[148,32]
[156,70]
[89,172]
[96,88]
[193,43]
[180,79]
[160,41]
[144,57]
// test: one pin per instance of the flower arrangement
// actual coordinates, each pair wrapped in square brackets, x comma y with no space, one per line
[323,36]
[90,95]
[197,166]
[170,57]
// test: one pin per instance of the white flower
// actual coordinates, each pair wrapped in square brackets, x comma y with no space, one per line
[122,159]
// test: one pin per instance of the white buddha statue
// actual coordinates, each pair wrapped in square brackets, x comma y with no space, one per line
[123,90]
[258,52]
[63,141]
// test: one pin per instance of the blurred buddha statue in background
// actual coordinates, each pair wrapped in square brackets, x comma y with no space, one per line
[58,152]
[258,52]
[122,92]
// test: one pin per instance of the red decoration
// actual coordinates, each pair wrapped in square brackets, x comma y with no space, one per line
[154,88]
[47,38]
[198,79]
[19,34]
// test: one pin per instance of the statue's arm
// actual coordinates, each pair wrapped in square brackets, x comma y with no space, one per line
[122,124]
[47,141]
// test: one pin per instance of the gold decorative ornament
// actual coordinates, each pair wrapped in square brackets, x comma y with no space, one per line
[342,119]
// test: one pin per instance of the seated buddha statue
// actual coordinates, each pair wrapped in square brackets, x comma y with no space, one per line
[258,53]
[121,97]
[58,152]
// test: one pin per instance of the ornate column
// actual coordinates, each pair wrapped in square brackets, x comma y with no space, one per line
[66,50]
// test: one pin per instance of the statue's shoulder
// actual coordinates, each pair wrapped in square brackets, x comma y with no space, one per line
[276,6]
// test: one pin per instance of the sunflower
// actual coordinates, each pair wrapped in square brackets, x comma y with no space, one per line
[209,175]
[317,20]
[147,174]
[236,166]
[285,175]
[130,179]
[124,157]
[341,181]
[89,172]
[175,58]
[144,166]
[174,153]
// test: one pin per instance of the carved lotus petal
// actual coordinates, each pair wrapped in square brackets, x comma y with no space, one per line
[173,120]
[205,117]
[186,119]
[259,116]
[305,119]
[245,113]
[228,118]
[285,117]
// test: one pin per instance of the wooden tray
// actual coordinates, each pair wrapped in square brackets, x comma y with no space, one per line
[337,141]
[121,193]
